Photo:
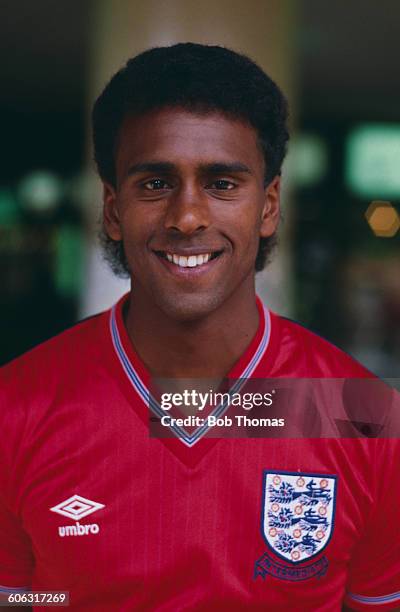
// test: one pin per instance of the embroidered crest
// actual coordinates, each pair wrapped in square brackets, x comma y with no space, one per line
[298,513]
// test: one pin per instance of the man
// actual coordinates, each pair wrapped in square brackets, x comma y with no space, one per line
[189,142]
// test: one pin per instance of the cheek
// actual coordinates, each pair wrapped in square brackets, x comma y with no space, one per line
[248,231]
[130,231]
[248,238]
[136,226]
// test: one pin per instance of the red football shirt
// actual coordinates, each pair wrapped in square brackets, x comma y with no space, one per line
[91,504]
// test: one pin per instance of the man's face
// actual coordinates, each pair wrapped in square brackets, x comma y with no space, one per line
[190,206]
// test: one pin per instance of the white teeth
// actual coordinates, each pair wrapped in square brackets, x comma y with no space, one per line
[188,262]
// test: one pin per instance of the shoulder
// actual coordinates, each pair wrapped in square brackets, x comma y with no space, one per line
[302,352]
[62,357]
[41,389]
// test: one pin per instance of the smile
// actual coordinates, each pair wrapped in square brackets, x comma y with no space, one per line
[188,261]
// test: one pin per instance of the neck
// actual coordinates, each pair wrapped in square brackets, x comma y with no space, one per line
[205,348]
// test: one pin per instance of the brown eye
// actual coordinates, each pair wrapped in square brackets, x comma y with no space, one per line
[156,185]
[223,184]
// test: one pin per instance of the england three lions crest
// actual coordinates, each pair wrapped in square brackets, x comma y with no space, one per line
[298,513]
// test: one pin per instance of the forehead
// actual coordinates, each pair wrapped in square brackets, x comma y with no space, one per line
[187,138]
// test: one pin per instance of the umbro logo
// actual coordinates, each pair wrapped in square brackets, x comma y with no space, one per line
[77,507]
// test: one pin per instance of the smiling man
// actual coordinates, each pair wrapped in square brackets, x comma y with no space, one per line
[189,204]
[189,141]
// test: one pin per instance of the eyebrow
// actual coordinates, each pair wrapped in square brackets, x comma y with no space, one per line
[161,167]
[225,168]
[210,168]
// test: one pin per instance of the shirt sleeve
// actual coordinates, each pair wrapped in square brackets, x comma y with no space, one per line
[16,558]
[374,577]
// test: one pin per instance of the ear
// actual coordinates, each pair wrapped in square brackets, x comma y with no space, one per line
[111,220]
[271,210]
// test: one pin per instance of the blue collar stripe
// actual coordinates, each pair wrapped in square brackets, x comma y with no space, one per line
[375,600]
[148,399]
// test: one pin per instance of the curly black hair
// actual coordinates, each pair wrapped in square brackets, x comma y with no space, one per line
[200,78]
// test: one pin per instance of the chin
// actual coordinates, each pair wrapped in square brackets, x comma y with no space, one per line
[189,308]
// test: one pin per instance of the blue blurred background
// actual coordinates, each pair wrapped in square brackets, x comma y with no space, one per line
[338,266]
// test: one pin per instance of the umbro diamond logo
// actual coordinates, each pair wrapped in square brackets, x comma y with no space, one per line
[77,507]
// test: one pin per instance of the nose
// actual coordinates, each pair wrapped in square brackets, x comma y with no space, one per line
[187,211]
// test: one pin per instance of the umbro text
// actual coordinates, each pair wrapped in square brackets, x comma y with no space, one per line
[78,530]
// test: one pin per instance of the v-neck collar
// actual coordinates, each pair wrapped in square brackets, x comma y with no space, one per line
[137,379]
